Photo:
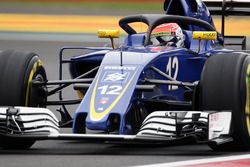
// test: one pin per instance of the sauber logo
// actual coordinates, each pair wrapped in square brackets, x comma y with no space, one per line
[129,68]
[113,77]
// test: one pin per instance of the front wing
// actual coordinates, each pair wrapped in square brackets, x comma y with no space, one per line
[160,127]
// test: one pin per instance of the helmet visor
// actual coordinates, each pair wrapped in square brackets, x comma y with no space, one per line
[161,40]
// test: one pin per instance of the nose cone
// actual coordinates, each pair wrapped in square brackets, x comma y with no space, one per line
[111,92]
[110,95]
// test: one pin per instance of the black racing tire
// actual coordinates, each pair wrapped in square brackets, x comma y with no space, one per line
[17,70]
[225,85]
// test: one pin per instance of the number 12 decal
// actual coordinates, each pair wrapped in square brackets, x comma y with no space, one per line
[172,70]
[110,90]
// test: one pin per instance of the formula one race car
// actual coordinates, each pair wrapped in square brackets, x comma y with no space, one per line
[144,91]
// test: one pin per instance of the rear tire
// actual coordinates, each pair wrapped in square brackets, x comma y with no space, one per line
[225,85]
[17,70]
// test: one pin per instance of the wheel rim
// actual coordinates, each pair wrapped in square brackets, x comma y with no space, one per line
[32,76]
[247,107]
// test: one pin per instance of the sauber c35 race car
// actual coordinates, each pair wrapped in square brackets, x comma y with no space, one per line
[137,92]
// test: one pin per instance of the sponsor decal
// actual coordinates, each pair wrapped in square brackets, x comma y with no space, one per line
[219,124]
[104,100]
[126,68]
[156,49]
[100,108]
[114,77]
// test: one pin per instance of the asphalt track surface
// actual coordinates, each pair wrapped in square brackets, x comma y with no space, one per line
[68,153]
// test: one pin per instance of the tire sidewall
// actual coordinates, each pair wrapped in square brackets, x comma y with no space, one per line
[17,70]
[34,69]
[240,116]
[223,85]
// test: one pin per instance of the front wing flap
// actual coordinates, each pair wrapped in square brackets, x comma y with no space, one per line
[160,127]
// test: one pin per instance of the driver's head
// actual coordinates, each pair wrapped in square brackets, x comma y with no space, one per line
[168,34]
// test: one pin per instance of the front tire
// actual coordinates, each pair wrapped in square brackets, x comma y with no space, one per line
[225,85]
[17,70]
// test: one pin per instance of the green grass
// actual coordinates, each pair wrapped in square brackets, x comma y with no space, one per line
[150,6]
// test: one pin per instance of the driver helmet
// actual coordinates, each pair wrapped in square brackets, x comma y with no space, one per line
[168,34]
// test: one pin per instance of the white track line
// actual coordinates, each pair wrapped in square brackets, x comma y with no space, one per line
[199,161]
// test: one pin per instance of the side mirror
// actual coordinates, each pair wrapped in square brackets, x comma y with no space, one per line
[102,33]
[111,34]
[204,35]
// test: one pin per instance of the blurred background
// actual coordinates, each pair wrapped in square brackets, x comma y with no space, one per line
[85,16]
[70,16]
